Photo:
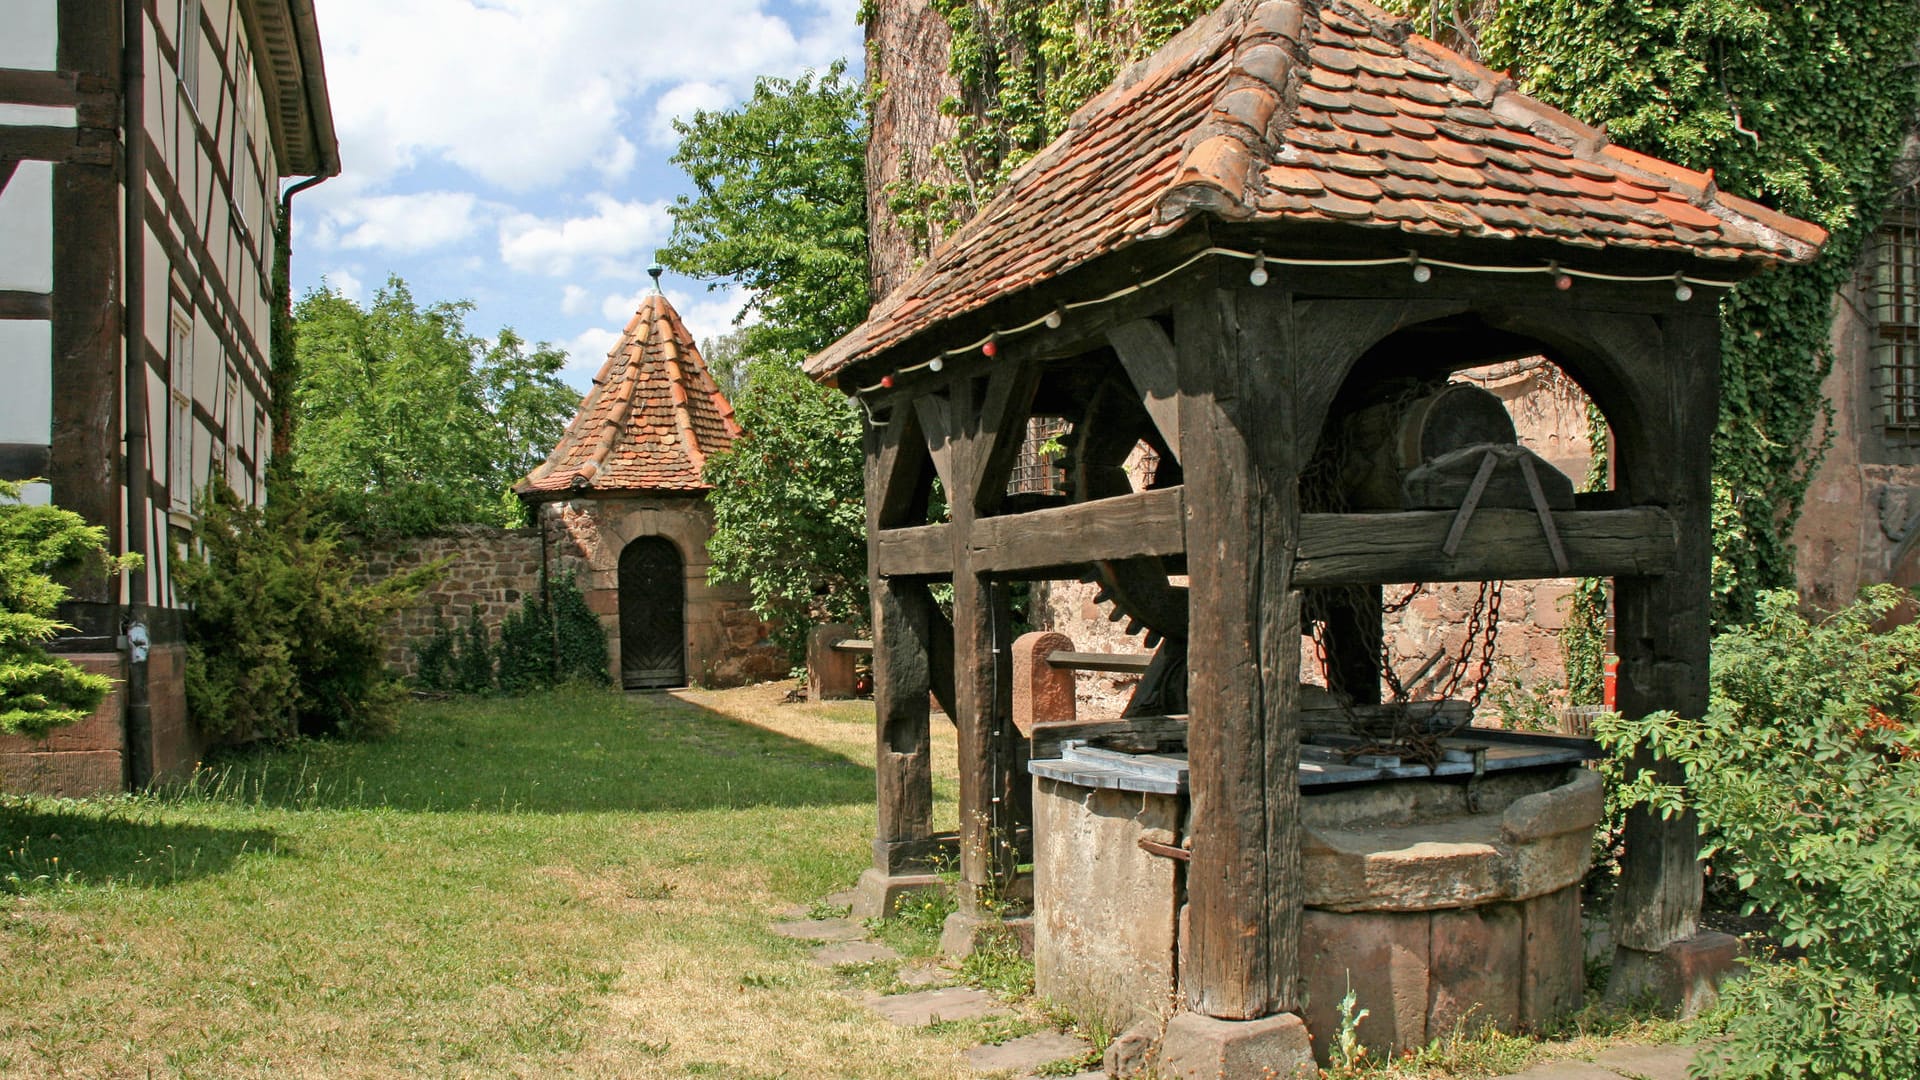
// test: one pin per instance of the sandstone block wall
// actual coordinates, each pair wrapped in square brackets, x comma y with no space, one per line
[493,571]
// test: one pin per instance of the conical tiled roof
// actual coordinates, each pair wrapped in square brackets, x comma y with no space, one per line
[651,419]
[1292,113]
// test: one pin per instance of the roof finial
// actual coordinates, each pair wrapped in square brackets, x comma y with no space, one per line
[655,271]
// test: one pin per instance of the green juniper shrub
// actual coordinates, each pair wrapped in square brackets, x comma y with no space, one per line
[526,648]
[1805,775]
[434,657]
[473,662]
[281,639]
[38,545]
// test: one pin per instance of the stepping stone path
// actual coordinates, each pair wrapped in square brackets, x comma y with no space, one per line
[1027,1053]
[843,941]
[853,952]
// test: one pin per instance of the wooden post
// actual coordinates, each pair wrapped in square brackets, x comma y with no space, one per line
[1662,625]
[1237,437]
[902,659]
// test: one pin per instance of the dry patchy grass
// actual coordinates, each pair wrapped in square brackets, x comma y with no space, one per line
[576,883]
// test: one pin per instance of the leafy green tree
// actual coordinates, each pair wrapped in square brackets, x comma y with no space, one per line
[781,211]
[789,506]
[408,423]
[39,691]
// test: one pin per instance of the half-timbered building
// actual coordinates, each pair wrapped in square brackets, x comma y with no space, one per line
[138,370]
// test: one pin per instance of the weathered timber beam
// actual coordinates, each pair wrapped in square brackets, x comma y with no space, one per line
[1148,355]
[1125,663]
[920,551]
[1123,527]
[1365,549]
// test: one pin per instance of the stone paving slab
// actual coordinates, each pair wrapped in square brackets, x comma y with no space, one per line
[1027,1053]
[844,898]
[925,1007]
[923,975]
[821,930]
[853,952]
[1565,1070]
[1650,1062]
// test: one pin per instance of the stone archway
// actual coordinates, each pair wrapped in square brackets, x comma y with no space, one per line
[653,620]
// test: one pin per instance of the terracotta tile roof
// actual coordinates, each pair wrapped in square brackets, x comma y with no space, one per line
[1290,112]
[651,419]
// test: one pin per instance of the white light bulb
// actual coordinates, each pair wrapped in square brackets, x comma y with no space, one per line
[1683,293]
[1259,276]
[936,364]
[1422,273]
[1053,319]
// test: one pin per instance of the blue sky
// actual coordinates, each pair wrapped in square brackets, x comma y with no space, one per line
[514,152]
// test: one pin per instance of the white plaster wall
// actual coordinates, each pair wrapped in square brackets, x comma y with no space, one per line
[38,115]
[26,366]
[32,38]
[26,228]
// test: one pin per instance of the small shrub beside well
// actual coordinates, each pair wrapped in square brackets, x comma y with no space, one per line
[1805,774]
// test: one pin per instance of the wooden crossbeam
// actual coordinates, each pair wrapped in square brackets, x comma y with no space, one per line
[1366,549]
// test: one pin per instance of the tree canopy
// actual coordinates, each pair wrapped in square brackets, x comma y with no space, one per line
[781,212]
[407,422]
[780,209]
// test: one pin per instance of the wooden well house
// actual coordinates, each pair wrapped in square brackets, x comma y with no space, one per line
[1260,254]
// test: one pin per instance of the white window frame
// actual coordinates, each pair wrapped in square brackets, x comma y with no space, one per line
[240,171]
[180,423]
[186,47]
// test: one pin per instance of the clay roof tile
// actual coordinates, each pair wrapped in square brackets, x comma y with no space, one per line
[652,418]
[1280,113]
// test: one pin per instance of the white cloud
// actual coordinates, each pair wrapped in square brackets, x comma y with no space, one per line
[618,161]
[680,103]
[404,223]
[616,237]
[573,300]
[522,93]
[585,353]
[346,284]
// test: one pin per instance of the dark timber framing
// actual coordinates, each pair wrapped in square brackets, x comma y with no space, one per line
[1237,382]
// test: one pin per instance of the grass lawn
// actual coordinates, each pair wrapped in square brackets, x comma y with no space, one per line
[576,883]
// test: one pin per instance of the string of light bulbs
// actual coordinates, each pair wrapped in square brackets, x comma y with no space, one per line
[1422,269]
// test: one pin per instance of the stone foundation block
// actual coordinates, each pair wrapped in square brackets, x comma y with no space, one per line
[1474,955]
[1042,693]
[964,933]
[878,893]
[1553,972]
[70,774]
[1382,958]
[1198,1047]
[830,671]
[1684,977]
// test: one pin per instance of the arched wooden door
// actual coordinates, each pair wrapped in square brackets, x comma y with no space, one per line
[653,623]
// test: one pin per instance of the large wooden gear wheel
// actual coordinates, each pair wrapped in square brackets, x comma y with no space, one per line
[1104,437]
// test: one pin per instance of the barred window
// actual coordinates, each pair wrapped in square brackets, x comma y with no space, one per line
[1895,299]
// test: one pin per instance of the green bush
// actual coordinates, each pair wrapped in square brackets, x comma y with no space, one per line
[280,638]
[434,670]
[39,691]
[1805,773]
[539,647]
